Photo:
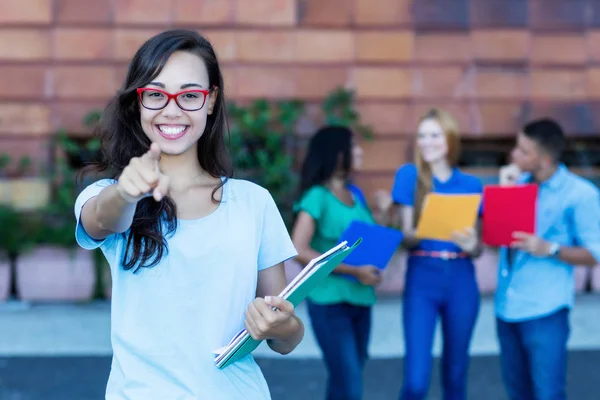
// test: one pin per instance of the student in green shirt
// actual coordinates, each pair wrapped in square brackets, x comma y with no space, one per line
[340,309]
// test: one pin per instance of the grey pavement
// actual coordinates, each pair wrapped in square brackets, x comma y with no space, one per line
[84,329]
[62,352]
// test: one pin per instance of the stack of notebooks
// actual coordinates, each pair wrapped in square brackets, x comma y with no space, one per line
[311,276]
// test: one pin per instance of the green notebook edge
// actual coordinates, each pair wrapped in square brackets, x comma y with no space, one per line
[297,297]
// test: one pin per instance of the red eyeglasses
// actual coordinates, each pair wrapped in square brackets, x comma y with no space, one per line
[187,100]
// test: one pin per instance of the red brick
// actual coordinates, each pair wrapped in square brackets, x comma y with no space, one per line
[325,45]
[593,45]
[383,12]
[229,77]
[384,154]
[128,41]
[501,83]
[24,44]
[83,44]
[84,11]
[593,83]
[460,111]
[69,115]
[30,11]
[142,11]
[325,12]
[503,13]
[438,82]
[266,12]
[576,118]
[203,12]
[385,118]
[501,45]
[36,148]
[561,84]
[504,118]
[369,183]
[223,42]
[317,82]
[559,14]
[22,82]
[24,119]
[559,49]
[384,46]
[446,47]
[265,46]
[273,82]
[84,82]
[382,82]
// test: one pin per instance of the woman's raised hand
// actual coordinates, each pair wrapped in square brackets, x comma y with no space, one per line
[142,178]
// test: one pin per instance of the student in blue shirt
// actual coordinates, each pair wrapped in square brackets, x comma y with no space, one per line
[195,255]
[536,287]
[440,277]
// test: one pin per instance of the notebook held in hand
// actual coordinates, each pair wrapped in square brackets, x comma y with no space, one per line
[309,278]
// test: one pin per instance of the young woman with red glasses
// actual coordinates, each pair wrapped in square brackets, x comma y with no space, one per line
[195,255]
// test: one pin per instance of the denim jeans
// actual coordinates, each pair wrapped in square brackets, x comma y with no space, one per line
[448,289]
[533,356]
[342,332]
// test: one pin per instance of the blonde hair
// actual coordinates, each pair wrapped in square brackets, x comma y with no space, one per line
[424,175]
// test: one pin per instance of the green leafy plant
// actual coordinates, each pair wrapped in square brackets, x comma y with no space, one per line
[262,139]
[339,108]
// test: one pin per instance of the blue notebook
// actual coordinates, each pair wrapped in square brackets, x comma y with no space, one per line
[379,243]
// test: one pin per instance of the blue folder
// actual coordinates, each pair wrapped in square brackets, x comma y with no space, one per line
[379,243]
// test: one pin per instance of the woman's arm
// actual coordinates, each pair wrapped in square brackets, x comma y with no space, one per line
[113,209]
[404,220]
[302,234]
[272,318]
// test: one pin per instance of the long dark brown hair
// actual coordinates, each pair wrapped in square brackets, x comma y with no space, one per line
[123,138]
[424,174]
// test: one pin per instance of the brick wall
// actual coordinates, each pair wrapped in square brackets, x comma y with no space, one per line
[493,63]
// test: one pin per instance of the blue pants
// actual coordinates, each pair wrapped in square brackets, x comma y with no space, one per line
[533,356]
[342,332]
[445,288]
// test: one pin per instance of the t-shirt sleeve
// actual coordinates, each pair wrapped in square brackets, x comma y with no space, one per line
[403,190]
[275,243]
[311,203]
[83,238]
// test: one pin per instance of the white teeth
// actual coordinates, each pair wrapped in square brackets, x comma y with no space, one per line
[171,130]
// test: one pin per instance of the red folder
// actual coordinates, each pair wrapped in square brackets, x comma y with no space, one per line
[507,209]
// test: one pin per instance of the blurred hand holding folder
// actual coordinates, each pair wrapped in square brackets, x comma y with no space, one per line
[379,243]
[443,214]
[508,209]
[310,277]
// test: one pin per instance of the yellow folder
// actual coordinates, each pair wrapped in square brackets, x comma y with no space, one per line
[443,214]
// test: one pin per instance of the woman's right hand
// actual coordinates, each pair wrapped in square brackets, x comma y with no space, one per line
[142,178]
[368,275]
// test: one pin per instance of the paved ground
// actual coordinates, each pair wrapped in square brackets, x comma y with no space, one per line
[62,352]
[84,378]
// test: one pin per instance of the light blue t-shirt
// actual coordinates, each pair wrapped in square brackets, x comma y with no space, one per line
[167,320]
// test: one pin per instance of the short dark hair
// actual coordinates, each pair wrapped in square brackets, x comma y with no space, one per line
[548,134]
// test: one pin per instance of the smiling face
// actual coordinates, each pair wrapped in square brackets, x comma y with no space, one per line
[431,141]
[175,130]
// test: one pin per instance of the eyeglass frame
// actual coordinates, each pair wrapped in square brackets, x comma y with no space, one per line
[173,96]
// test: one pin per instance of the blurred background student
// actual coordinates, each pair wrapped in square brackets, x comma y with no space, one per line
[440,277]
[340,309]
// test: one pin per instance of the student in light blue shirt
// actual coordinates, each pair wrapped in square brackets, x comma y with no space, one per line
[535,284]
[195,255]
